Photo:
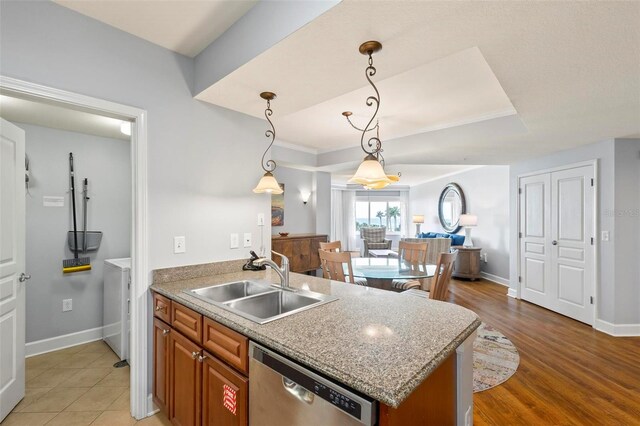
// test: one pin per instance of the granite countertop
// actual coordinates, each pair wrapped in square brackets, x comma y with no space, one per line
[380,343]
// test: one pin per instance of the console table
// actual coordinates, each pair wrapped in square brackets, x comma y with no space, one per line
[467,264]
[301,249]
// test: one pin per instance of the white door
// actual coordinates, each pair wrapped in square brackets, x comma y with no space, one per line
[12,262]
[535,234]
[556,251]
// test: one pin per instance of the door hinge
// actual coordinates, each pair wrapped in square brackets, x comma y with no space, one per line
[591,181]
[591,299]
[519,234]
[519,190]
[519,279]
[592,241]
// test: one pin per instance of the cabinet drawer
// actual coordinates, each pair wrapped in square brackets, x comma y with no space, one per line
[227,345]
[187,322]
[162,308]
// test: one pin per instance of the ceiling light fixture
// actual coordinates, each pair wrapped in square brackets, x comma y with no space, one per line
[268,182]
[370,173]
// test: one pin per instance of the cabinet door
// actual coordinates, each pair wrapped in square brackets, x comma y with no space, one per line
[301,255]
[314,257]
[224,395]
[185,381]
[161,362]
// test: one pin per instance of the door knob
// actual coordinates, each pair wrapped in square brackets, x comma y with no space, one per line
[24,277]
[554,242]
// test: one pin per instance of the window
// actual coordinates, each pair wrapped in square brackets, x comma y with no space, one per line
[387,214]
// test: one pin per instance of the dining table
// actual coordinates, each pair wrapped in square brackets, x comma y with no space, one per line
[380,271]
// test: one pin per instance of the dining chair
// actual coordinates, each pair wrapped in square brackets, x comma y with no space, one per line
[333,246]
[333,267]
[413,253]
[442,278]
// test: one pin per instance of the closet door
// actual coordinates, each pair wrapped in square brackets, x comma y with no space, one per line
[572,246]
[535,239]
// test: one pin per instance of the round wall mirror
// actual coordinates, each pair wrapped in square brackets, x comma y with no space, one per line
[451,205]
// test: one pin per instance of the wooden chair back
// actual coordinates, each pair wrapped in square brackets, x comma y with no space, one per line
[442,278]
[333,246]
[332,265]
[413,252]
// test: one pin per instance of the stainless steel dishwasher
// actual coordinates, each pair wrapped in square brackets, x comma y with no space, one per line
[283,393]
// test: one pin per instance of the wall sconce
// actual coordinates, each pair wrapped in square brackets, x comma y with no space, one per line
[305,196]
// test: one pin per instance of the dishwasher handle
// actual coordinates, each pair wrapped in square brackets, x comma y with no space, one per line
[297,391]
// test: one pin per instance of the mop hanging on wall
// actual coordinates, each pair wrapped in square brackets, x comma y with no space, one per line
[76,264]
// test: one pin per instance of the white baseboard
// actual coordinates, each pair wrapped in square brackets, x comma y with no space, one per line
[151,406]
[512,293]
[495,278]
[61,342]
[617,330]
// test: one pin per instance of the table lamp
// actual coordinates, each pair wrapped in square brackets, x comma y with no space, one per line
[468,221]
[418,219]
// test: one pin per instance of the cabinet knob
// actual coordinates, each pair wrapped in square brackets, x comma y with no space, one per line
[160,308]
[194,355]
[165,332]
[202,358]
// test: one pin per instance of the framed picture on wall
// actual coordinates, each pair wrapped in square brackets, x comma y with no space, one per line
[277,208]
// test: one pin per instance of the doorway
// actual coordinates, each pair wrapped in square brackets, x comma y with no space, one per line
[557,216]
[140,405]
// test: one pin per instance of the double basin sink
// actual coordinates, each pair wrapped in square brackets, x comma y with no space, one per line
[260,302]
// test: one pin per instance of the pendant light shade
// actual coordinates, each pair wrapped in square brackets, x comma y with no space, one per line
[268,184]
[370,173]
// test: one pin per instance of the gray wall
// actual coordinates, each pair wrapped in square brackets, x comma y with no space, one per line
[203,160]
[486,192]
[106,162]
[299,218]
[619,275]
[627,230]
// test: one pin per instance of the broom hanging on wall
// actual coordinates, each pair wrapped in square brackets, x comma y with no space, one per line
[76,264]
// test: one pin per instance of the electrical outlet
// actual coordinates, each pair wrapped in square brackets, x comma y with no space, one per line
[605,235]
[234,241]
[179,245]
[67,305]
[260,219]
[247,239]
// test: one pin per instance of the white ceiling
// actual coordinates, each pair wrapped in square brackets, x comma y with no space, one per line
[453,71]
[47,115]
[184,26]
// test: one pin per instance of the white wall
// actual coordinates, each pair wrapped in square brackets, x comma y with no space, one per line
[486,192]
[106,163]
[299,218]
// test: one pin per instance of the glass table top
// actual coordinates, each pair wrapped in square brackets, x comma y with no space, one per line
[390,268]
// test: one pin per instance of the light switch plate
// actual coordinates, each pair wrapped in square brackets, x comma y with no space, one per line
[605,235]
[67,305]
[179,245]
[234,241]
[247,239]
[260,219]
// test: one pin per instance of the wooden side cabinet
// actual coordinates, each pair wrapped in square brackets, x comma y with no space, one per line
[225,400]
[301,249]
[185,391]
[467,263]
[161,363]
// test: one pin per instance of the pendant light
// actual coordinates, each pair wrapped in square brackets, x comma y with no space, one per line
[268,182]
[370,173]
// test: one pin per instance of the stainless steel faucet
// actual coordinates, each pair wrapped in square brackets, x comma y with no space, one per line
[283,271]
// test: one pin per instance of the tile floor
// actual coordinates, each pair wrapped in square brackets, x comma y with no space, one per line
[77,386]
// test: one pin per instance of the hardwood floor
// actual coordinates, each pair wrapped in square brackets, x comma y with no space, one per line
[569,374]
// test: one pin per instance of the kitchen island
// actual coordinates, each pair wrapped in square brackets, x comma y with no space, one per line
[409,353]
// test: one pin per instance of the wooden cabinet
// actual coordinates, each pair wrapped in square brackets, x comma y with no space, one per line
[189,384]
[467,264]
[185,379]
[161,333]
[225,393]
[301,249]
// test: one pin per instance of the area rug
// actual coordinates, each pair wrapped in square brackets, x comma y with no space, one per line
[495,358]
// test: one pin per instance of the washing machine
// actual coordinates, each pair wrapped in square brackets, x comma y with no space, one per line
[116,305]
